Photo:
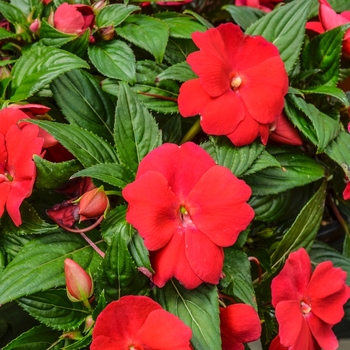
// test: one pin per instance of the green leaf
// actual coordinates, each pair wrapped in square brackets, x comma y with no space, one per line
[296,170]
[304,229]
[50,36]
[54,309]
[198,308]
[114,59]
[88,148]
[38,67]
[199,18]
[82,101]
[323,53]
[4,34]
[146,32]
[82,343]
[28,6]
[244,16]
[180,26]
[339,150]
[79,45]
[39,264]
[32,224]
[52,175]
[237,281]
[239,159]
[321,252]
[329,90]
[324,128]
[135,131]
[37,338]
[177,50]
[13,14]
[180,71]
[119,275]
[114,174]
[113,15]
[284,27]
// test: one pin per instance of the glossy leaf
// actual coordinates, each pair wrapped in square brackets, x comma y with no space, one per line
[12,13]
[304,229]
[38,67]
[329,90]
[4,34]
[135,131]
[37,338]
[296,170]
[88,148]
[148,33]
[114,14]
[339,150]
[82,101]
[114,59]
[244,16]
[237,281]
[36,269]
[50,36]
[284,27]
[51,175]
[198,308]
[180,71]
[323,53]
[114,174]
[54,309]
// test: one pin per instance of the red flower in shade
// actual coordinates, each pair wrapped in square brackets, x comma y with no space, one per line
[18,144]
[346,192]
[264,5]
[74,19]
[283,131]
[186,208]
[138,322]
[239,323]
[241,85]
[276,344]
[329,19]
[309,304]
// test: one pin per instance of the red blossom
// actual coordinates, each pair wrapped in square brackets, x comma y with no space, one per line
[276,344]
[138,322]
[18,144]
[186,208]
[309,304]
[264,5]
[329,19]
[239,93]
[284,132]
[74,19]
[346,192]
[239,323]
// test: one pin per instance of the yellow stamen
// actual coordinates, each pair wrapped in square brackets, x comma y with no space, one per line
[236,82]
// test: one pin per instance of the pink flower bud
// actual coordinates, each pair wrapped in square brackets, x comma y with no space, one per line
[93,204]
[89,322]
[35,26]
[107,33]
[79,283]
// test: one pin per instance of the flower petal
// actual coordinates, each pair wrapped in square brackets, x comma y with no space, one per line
[291,322]
[162,330]
[152,209]
[239,323]
[68,19]
[217,206]
[292,281]
[328,17]
[322,332]
[205,258]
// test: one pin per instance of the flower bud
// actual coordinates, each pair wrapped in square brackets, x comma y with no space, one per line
[93,204]
[98,6]
[79,283]
[107,33]
[35,26]
[89,322]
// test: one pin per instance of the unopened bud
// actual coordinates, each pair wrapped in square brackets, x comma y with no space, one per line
[93,204]
[79,283]
[89,322]
[98,6]
[35,26]
[107,33]
[74,335]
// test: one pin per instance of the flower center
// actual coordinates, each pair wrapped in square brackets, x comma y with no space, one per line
[305,308]
[185,217]
[236,82]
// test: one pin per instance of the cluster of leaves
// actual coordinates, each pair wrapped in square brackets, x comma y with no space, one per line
[112,102]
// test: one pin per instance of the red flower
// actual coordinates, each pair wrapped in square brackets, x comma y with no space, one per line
[18,144]
[241,85]
[329,19]
[346,192]
[138,322]
[239,323]
[284,132]
[264,5]
[73,19]
[186,208]
[309,304]
[276,344]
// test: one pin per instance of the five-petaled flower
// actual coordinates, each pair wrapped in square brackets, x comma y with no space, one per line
[308,304]
[329,19]
[186,208]
[239,323]
[138,322]
[241,85]
[18,144]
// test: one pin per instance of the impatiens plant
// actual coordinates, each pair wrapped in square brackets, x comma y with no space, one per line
[174,175]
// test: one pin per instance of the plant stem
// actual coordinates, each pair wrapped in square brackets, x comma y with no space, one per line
[196,127]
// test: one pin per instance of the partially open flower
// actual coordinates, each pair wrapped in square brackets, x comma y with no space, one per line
[79,283]
[283,131]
